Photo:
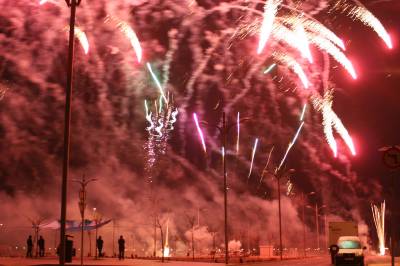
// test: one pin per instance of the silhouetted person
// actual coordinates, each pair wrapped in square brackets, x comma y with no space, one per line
[100,246]
[40,244]
[333,250]
[121,245]
[29,247]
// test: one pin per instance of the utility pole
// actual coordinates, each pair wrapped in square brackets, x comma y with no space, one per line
[317,224]
[82,205]
[278,178]
[223,130]
[303,203]
[67,121]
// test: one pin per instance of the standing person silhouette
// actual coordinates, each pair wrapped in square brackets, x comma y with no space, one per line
[40,243]
[100,246]
[121,245]
[29,247]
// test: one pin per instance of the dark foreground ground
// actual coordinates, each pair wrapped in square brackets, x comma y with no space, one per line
[316,261]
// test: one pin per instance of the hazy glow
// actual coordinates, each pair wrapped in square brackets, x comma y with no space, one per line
[196,121]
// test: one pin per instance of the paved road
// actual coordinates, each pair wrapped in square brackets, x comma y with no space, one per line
[316,261]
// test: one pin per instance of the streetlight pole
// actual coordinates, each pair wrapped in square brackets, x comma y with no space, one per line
[67,120]
[224,129]
[82,206]
[278,174]
[278,178]
[317,224]
[304,223]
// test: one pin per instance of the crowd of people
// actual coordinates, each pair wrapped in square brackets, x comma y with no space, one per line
[99,246]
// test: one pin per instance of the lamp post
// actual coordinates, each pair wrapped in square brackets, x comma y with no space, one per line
[303,203]
[82,205]
[317,209]
[224,129]
[278,174]
[67,120]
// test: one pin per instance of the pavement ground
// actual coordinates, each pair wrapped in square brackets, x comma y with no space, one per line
[315,261]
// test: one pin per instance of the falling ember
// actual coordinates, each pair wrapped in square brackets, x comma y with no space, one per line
[81,36]
[129,33]
[379,221]
[238,132]
[155,79]
[252,157]
[290,145]
[196,121]
[270,10]
[269,69]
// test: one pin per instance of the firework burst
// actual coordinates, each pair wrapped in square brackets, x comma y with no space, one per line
[379,220]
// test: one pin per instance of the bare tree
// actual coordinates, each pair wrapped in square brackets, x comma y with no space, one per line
[37,223]
[160,226]
[191,221]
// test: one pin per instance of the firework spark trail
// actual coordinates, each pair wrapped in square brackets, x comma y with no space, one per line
[265,170]
[81,36]
[367,18]
[331,49]
[203,143]
[269,69]
[303,112]
[328,131]
[340,128]
[317,28]
[238,133]
[290,146]
[296,39]
[129,33]
[155,79]
[148,117]
[294,65]
[330,119]
[252,158]
[270,10]
[303,42]
[379,221]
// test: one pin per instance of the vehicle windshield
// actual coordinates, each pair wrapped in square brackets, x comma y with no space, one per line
[349,244]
